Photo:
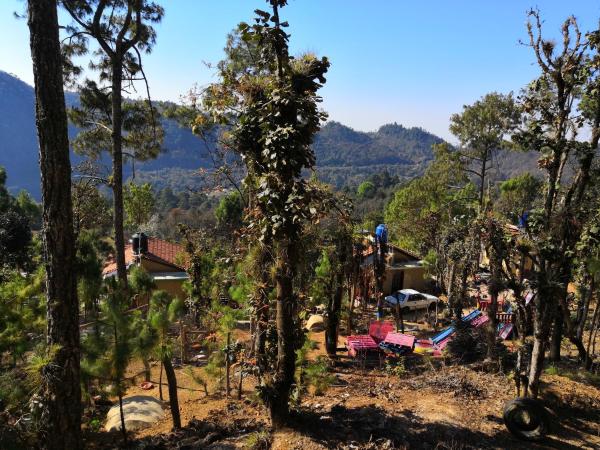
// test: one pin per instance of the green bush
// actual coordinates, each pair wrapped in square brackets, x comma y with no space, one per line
[317,375]
[259,440]
[396,368]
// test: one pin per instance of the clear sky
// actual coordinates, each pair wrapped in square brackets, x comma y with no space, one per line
[412,62]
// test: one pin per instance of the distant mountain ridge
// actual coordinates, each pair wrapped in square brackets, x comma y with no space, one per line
[344,156]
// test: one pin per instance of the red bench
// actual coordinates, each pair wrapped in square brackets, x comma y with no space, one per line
[480,321]
[378,330]
[364,346]
[360,345]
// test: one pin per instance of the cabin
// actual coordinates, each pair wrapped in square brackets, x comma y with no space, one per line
[164,261]
[403,269]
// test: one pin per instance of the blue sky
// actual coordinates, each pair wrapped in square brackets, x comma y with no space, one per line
[412,62]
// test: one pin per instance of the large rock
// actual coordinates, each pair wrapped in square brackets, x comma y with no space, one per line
[140,411]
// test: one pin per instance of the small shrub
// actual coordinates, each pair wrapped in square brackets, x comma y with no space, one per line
[468,345]
[396,369]
[198,379]
[317,375]
[259,440]
[215,367]
[95,425]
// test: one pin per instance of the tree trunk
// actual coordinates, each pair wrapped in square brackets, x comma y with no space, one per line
[173,399]
[333,317]
[123,429]
[492,326]
[160,384]
[117,169]
[569,329]
[458,301]
[240,382]
[61,419]
[279,390]
[557,335]
[594,324]
[146,368]
[351,295]
[482,187]
[586,309]
[451,288]
[545,307]
[262,309]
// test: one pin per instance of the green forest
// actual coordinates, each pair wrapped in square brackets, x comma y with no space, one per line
[235,270]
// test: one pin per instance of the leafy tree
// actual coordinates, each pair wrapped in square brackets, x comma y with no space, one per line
[5,197]
[443,191]
[15,229]
[162,313]
[230,210]
[341,257]
[145,341]
[482,129]
[22,313]
[366,189]
[518,195]
[30,209]
[61,418]
[89,274]
[15,238]
[91,209]
[110,348]
[202,265]
[321,289]
[123,30]
[138,201]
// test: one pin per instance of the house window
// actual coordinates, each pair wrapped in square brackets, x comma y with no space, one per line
[398,281]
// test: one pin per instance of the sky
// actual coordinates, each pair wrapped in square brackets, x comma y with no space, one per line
[411,62]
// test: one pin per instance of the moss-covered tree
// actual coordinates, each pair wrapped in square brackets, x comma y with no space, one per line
[277,118]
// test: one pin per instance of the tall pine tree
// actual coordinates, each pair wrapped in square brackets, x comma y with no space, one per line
[61,420]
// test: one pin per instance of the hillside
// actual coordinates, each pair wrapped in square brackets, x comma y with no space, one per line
[344,156]
[18,142]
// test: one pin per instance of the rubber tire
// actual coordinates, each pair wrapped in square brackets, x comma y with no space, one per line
[535,431]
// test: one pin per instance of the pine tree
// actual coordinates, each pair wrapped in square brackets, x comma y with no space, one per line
[123,30]
[163,312]
[61,421]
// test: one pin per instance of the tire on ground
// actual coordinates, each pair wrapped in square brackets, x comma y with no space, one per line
[527,419]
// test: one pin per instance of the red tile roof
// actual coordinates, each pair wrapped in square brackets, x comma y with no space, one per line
[158,250]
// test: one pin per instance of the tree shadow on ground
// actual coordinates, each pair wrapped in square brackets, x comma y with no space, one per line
[367,426]
[571,417]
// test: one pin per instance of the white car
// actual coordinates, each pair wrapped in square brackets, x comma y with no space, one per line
[409,299]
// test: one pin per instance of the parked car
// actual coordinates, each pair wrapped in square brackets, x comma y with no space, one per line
[410,300]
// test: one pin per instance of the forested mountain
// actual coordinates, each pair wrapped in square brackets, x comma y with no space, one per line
[18,142]
[344,156]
